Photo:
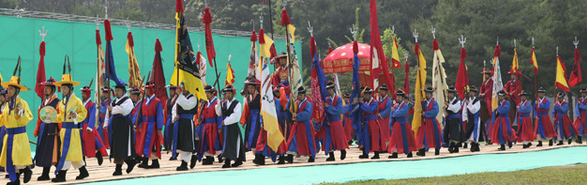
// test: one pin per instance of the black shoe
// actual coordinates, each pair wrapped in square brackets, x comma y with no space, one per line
[510,144]
[118,170]
[237,163]
[130,165]
[579,140]
[393,156]
[350,142]
[193,161]
[502,148]
[144,163]
[27,174]
[421,152]
[259,159]
[550,142]
[226,164]
[529,144]
[570,141]
[455,149]
[154,164]
[17,182]
[342,154]
[183,166]
[99,158]
[83,173]
[60,176]
[330,156]
[290,159]
[281,160]
[45,175]
[209,160]
[525,146]
[437,152]
[539,144]
[451,147]
[311,159]
[364,156]
[560,143]
[173,158]
[376,156]
[410,155]
[220,160]
[465,145]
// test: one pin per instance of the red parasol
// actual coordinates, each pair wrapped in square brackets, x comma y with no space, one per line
[341,59]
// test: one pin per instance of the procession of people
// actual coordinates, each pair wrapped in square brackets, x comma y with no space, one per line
[196,121]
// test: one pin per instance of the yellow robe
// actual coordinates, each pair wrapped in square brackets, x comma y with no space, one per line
[21,150]
[75,152]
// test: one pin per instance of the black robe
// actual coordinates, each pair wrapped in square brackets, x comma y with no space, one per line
[233,148]
[123,138]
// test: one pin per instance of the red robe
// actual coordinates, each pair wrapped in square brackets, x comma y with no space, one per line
[150,120]
[487,89]
[514,88]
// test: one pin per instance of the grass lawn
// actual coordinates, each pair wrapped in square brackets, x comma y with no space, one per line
[571,174]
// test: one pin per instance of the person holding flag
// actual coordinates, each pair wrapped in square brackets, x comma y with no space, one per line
[370,128]
[92,142]
[334,138]
[430,133]
[544,130]
[211,125]
[184,142]
[301,138]
[148,123]
[104,132]
[46,153]
[251,119]
[472,128]
[402,138]
[502,126]
[384,109]
[347,121]
[525,126]
[564,127]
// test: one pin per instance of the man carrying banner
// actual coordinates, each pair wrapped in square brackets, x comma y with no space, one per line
[503,132]
[186,106]
[105,132]
[148,123]
[301,138]
[251,118]
[402,138]
[335,138]
[347,120]
[211,125]
[233,148]
[385,104]
[92,142]
[123,140]
[543,129]
[564,127]
[429,134]
[485,93]
[525,126]
[370,124]
[48,143]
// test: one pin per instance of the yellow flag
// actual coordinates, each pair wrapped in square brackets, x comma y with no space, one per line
[269,112]
[561,79]
[134,74]
[292,30]
[419,96]
[265,48]
[515,62]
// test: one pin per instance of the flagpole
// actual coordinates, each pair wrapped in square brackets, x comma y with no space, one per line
[535,84]
[270,18]
[217,77]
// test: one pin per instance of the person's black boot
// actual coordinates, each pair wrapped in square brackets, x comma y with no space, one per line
[393,156]
[456,148]
[311,159]
[330,156]
[570,141]
[421,152]
[525,146]
[99,158]
[83,173]
[550,142]
[579,140]
[45,175]
[193,161]
[281,160]
[237,163]
[183,166]
[226,164]
[173,158]
[451,147]
[117,170]
[130,165]
[502,148]
[364,156]
[466,145]
[342,154]
[220,160]
[529,144]
[144,163]
[154,164]
[209,160]
[259,159]
[290,158]
[539,144]
[17,182]
[410,155]
[510,144]
[560,143]
[60,176]
[27,174]
[376,156]
[437,151]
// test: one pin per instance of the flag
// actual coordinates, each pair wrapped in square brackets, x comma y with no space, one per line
[534,62]
[268,111]
[420,82]
[395,54]
[266,43]
[438,77]
[229,74]
[202,65]
[186,69]
[210,51]
[254,56]
[462,75]
[110,68]
[39,88]
[406,78]
[514,68]
[355,112]
[101,68]
[134,74]
[497,83]
[295,75]
[576,76]
[157,74]
[319,92]
[561,78]
[377,54]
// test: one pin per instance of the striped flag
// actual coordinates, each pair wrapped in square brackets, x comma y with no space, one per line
[561,78]
[533,61]
[134,74]
[497,83]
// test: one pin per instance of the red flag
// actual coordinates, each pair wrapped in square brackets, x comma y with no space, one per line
[407,79]
[376,44]
[462,76]
[210,51]
[157,76]
[39,89]
[576,76]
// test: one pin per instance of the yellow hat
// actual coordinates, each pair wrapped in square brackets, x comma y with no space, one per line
[66,79]
[15,81]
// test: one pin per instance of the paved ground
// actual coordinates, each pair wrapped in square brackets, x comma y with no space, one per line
[104,172]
